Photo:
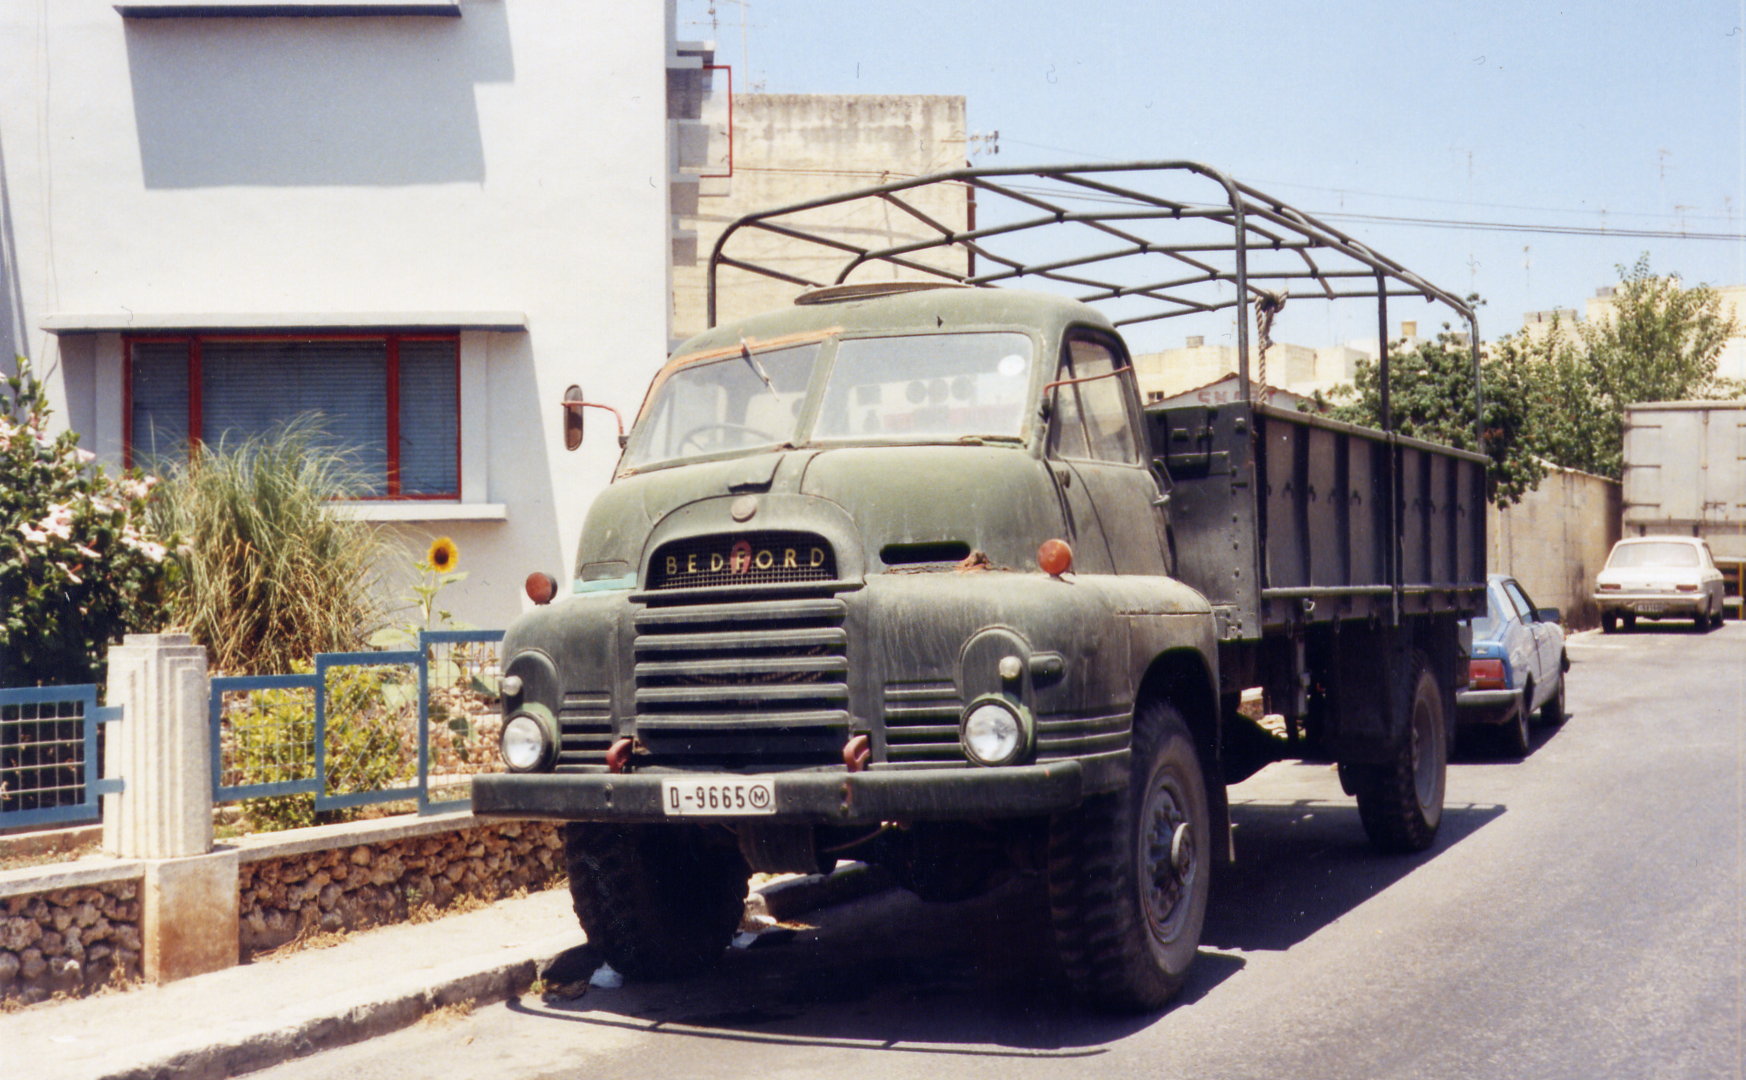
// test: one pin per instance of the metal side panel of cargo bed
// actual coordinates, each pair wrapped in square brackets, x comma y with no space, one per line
[1284,518]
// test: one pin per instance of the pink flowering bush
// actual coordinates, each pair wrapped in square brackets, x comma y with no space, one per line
[78,568]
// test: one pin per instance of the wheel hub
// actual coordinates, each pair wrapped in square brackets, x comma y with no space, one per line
[1172,856]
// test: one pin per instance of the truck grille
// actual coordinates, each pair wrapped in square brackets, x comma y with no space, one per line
[754,558]
[584,729]
[756,685]
[921,724]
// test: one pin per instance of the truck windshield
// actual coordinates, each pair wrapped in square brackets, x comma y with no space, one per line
[910,388]
[928,388]
[747,401]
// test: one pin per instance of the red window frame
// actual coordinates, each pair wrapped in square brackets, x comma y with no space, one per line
[391,340]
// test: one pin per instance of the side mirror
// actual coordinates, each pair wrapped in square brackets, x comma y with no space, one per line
[573,418]
[573,405]
[1549,614]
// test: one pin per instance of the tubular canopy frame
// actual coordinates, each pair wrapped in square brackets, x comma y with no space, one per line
[1121,236]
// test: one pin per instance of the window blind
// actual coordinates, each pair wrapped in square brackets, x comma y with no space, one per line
[429,418]
[248,388]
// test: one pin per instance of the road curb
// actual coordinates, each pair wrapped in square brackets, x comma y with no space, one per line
[357,1023]
[401,1008]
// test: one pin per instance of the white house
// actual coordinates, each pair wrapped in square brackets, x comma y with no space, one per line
[424,218]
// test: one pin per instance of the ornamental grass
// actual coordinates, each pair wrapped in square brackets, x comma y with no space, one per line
[271,573]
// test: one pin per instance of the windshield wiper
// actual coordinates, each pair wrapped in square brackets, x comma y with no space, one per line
[757,368]
[978,440]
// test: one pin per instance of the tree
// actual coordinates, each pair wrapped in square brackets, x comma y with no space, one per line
[1431,398]
[1660,343]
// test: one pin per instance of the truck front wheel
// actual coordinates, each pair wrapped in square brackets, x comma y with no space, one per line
[1401,802]
[1128,873]
[659,902]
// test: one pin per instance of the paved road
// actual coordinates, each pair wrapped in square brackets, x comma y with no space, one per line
[1581,917]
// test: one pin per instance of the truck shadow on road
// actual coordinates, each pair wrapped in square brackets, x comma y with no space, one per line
[892,974]
[1303,864]
[888,973]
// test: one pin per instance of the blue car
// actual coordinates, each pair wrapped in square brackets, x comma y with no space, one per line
[1516,667]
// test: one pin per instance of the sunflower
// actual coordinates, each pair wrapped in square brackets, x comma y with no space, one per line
[443,555]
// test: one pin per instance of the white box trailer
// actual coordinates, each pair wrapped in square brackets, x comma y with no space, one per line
[1685,475]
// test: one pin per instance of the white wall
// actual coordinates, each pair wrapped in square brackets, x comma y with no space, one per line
[510,160]
[1556,539]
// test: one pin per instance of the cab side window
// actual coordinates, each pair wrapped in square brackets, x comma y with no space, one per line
[1091,419]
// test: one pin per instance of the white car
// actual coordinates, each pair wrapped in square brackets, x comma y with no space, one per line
[1659,577]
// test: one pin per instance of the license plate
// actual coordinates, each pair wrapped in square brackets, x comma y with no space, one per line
[718,796]
[1651,609]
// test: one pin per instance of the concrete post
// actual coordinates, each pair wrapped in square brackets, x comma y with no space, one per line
[161,750]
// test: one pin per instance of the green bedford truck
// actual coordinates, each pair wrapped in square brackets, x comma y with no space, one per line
[907,573]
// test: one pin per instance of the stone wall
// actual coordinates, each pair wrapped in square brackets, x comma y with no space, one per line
[69,941]
[352,888]
[75,927]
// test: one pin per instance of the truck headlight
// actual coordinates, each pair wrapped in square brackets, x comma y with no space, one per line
[994,731]
[527,742]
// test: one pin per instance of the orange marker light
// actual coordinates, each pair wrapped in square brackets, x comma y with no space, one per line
[1055,557]
[541,587]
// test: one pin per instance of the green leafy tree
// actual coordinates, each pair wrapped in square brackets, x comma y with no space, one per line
[1431,397]
[78,567]
[1660,343]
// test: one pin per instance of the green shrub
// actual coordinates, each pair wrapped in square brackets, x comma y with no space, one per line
[271,574]
[269,737]
[78,568]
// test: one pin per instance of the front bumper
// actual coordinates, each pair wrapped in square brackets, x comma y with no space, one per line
[832,797]
[1677,605]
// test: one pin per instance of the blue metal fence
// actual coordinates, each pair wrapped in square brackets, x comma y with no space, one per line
[50,755]
[322,733]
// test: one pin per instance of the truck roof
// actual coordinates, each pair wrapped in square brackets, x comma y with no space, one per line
[896,306]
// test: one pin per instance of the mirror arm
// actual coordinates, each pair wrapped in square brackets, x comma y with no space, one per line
[617,416]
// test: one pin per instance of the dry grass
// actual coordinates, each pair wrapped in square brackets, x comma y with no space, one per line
[47,858]
[452,1013]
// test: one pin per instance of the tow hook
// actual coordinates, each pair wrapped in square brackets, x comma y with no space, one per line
[856,753]
[618,755]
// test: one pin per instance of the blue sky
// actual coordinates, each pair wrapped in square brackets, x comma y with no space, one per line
[1591,115]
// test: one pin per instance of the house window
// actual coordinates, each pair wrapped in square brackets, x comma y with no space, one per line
[391,400]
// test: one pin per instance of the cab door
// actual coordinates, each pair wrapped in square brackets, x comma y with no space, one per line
[1096,446]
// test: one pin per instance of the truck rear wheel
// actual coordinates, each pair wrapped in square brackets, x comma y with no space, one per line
[1401,801]
[658,901]
[1128,873]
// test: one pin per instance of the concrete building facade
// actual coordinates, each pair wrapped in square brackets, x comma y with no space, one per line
[789,148]
[431,217]
[1302,370]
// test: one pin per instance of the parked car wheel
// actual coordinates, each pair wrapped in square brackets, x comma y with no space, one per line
[1609,623]
[1552,713]
[1513,736]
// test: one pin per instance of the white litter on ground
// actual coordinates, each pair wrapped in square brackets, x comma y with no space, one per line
[605,978]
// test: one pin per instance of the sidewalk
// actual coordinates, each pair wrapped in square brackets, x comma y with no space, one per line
[256,1015]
